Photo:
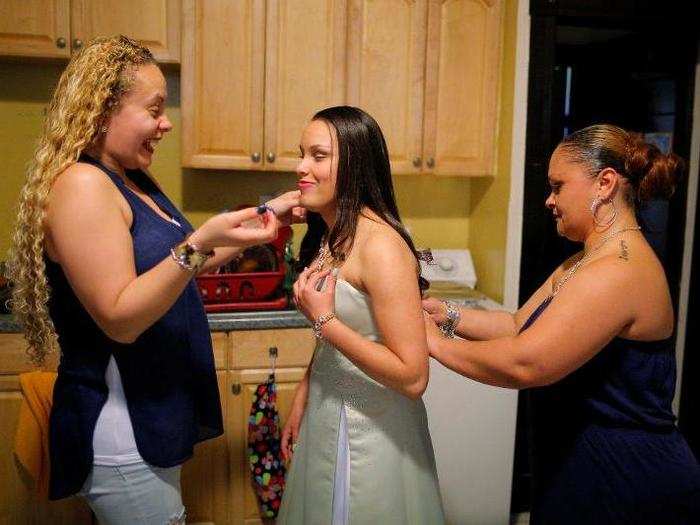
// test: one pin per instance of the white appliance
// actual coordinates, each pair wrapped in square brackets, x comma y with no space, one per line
[472,425]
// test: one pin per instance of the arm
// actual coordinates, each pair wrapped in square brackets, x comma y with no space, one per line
[583,318]
[286,208]
[88,233]
[479,325]
[401,361]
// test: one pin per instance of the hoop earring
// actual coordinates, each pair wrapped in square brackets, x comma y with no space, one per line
[595,206]
[104,129]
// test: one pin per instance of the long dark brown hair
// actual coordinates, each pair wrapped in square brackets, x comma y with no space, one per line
[363,180]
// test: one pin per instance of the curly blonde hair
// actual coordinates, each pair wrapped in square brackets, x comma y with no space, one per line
[89,89]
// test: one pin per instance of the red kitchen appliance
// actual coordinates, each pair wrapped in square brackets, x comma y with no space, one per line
[255,281]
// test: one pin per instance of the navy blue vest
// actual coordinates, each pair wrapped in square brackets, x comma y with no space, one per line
[168,372]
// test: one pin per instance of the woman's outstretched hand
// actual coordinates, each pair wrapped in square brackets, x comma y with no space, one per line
[287,208]
[226,229]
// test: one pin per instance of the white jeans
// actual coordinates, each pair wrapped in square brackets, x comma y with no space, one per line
[136,494]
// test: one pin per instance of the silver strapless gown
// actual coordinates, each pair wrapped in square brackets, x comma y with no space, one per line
[387,466]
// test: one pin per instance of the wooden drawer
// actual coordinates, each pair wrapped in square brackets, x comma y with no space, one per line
[249,348]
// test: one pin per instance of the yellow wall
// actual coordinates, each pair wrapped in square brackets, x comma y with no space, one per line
[440,212]
[489,196]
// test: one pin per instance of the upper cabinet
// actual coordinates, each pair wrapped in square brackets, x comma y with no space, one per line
[154,23]
[54,28]
[35,28]
[253,74]
[428,71]
[386,73]
[463,64]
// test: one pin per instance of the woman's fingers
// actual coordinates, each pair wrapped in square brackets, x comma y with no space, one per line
[235,218]
[316,282]
[251,236]
[298,215]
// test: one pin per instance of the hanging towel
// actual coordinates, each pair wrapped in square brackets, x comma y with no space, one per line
[266,465]
[32,435]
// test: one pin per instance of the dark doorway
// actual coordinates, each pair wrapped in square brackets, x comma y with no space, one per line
[629,63]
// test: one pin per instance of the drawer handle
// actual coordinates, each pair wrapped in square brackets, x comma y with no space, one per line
[236,389]
[60,42]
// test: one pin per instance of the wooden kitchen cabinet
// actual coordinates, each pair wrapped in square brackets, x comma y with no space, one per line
[386,73]
[253,73]
[428,71]
[35,28]
[206,477]
[216,486]
[251,361]
[463,65]
[155,23]
[18,504]
[54,28]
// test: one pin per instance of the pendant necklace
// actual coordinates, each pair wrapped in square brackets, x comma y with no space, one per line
[558,285]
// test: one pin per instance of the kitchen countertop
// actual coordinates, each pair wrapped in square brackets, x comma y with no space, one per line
[263,320]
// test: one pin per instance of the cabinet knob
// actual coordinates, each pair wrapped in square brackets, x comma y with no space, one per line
[417,161]
[255,157]
[236,389]
[77,43]
[430,162]
[270,156]
[60,42]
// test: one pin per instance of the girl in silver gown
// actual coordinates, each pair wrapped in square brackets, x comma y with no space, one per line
[358,430]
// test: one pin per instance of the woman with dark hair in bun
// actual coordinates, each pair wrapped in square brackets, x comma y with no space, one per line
[595,344]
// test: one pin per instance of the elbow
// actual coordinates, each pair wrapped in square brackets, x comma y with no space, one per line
[124,337]
[117,330]
[415,389]
[530,375]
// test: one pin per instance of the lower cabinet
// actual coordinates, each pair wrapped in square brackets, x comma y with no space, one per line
[18,505]
[216,483]
[216,486]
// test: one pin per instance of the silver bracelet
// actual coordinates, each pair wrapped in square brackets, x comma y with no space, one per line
[453,315]
[318,324]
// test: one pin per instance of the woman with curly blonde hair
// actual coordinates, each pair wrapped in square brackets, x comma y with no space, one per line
[102,265]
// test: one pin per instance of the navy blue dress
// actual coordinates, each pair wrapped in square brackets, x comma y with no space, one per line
[606,449]
[167,373]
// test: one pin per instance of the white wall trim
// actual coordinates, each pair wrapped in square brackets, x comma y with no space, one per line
[517,158]
[691,203]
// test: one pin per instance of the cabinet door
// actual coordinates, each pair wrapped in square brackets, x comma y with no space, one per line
[18,502]
[222,76]
[243,500]
[156,23]
[304,71]
[462,81]
[38,28]
[207,476]
[386,63]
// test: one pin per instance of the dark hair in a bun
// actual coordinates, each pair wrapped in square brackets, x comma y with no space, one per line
[650,173]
